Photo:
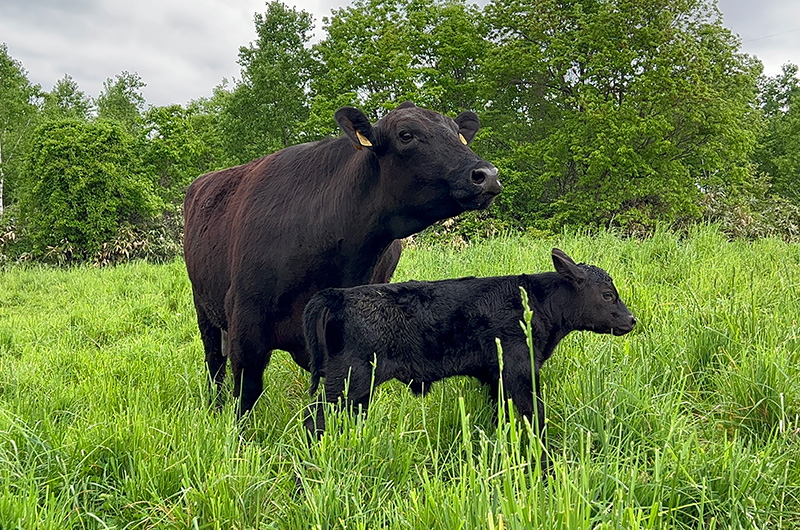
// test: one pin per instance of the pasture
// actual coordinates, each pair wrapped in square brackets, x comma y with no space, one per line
[690,421]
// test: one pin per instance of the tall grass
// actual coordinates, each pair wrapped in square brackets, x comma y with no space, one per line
[690,421]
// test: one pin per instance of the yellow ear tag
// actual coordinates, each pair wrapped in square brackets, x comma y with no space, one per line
[463,140]
[363,140]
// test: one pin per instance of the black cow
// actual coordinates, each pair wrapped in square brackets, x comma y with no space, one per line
[421,332]
[263,237]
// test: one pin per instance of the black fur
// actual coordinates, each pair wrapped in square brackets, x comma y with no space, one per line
[422,332]
[262,238]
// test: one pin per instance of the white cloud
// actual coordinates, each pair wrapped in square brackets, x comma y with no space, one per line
[769,29]
[180,48]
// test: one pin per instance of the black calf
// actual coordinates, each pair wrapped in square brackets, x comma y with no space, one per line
[421,332]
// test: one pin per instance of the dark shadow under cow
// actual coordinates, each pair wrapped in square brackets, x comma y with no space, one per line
[262,238]
[422,332]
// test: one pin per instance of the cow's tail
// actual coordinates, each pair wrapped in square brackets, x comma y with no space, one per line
[315,320]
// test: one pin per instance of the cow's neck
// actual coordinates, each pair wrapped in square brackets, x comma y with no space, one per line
[544,293]
[354,194]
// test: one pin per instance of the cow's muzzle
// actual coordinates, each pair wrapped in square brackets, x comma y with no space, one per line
[486,178]
[626,327]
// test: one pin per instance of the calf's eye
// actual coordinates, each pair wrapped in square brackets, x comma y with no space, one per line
[406,136]
[608,296]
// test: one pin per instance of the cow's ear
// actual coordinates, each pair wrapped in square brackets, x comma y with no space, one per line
[355,125]
[468,125]
[567,268]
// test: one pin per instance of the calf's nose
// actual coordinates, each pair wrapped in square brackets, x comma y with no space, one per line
[486,178]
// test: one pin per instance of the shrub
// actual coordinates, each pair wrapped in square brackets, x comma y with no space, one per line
[84,186]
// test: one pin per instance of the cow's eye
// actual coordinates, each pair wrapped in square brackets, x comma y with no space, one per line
[406,136]
[608,296]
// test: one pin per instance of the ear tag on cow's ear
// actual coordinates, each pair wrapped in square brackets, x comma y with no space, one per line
[463,140]
[363,140]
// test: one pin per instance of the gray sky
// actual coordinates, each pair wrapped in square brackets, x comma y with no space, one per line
[182,49]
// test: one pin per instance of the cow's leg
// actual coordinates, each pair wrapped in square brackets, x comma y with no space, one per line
[211,336]
[249,354]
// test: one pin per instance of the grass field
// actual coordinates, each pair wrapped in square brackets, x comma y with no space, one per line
[690,421]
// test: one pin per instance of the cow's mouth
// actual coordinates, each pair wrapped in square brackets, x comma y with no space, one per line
[622,330]
[485,187]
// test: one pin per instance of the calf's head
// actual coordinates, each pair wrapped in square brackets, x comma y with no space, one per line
[427,169]
[595,303]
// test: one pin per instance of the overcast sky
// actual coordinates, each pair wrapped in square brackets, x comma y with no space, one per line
[182,49]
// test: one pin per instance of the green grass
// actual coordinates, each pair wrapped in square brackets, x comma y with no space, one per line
[690,421]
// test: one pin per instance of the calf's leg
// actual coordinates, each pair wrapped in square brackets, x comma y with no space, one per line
[520,388]
[350,383]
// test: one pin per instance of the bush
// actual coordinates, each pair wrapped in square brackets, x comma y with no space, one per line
[754,216]
[85,185]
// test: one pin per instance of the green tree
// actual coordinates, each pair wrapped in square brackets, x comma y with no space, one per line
[18,112]
[67,100]
[378,53]
[121,101]
[778,154]
[265,108]
[616,111]
[84,185]
[449,46]
[180,144]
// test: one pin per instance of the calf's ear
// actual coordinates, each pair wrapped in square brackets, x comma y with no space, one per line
[355,125]
[567,268]
[468,125]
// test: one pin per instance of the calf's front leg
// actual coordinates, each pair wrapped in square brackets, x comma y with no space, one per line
[347,385]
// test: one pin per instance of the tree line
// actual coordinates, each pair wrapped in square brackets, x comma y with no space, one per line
[598,113]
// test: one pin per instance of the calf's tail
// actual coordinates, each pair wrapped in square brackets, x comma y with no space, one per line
[315,320]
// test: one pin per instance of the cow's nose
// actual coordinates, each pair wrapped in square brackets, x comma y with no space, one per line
[486,178]
[633,321]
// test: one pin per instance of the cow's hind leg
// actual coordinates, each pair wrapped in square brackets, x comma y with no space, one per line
[212,337]
[249,355]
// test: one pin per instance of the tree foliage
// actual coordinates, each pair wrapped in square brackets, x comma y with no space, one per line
[778,154]
[67,100]
[18,110]
[378,53]
[84,184]
[121,101]
[597,112]
[179,145]
[618,112]
[266,107]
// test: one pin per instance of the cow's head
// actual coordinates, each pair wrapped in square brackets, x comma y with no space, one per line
[596,305]
[428,172]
